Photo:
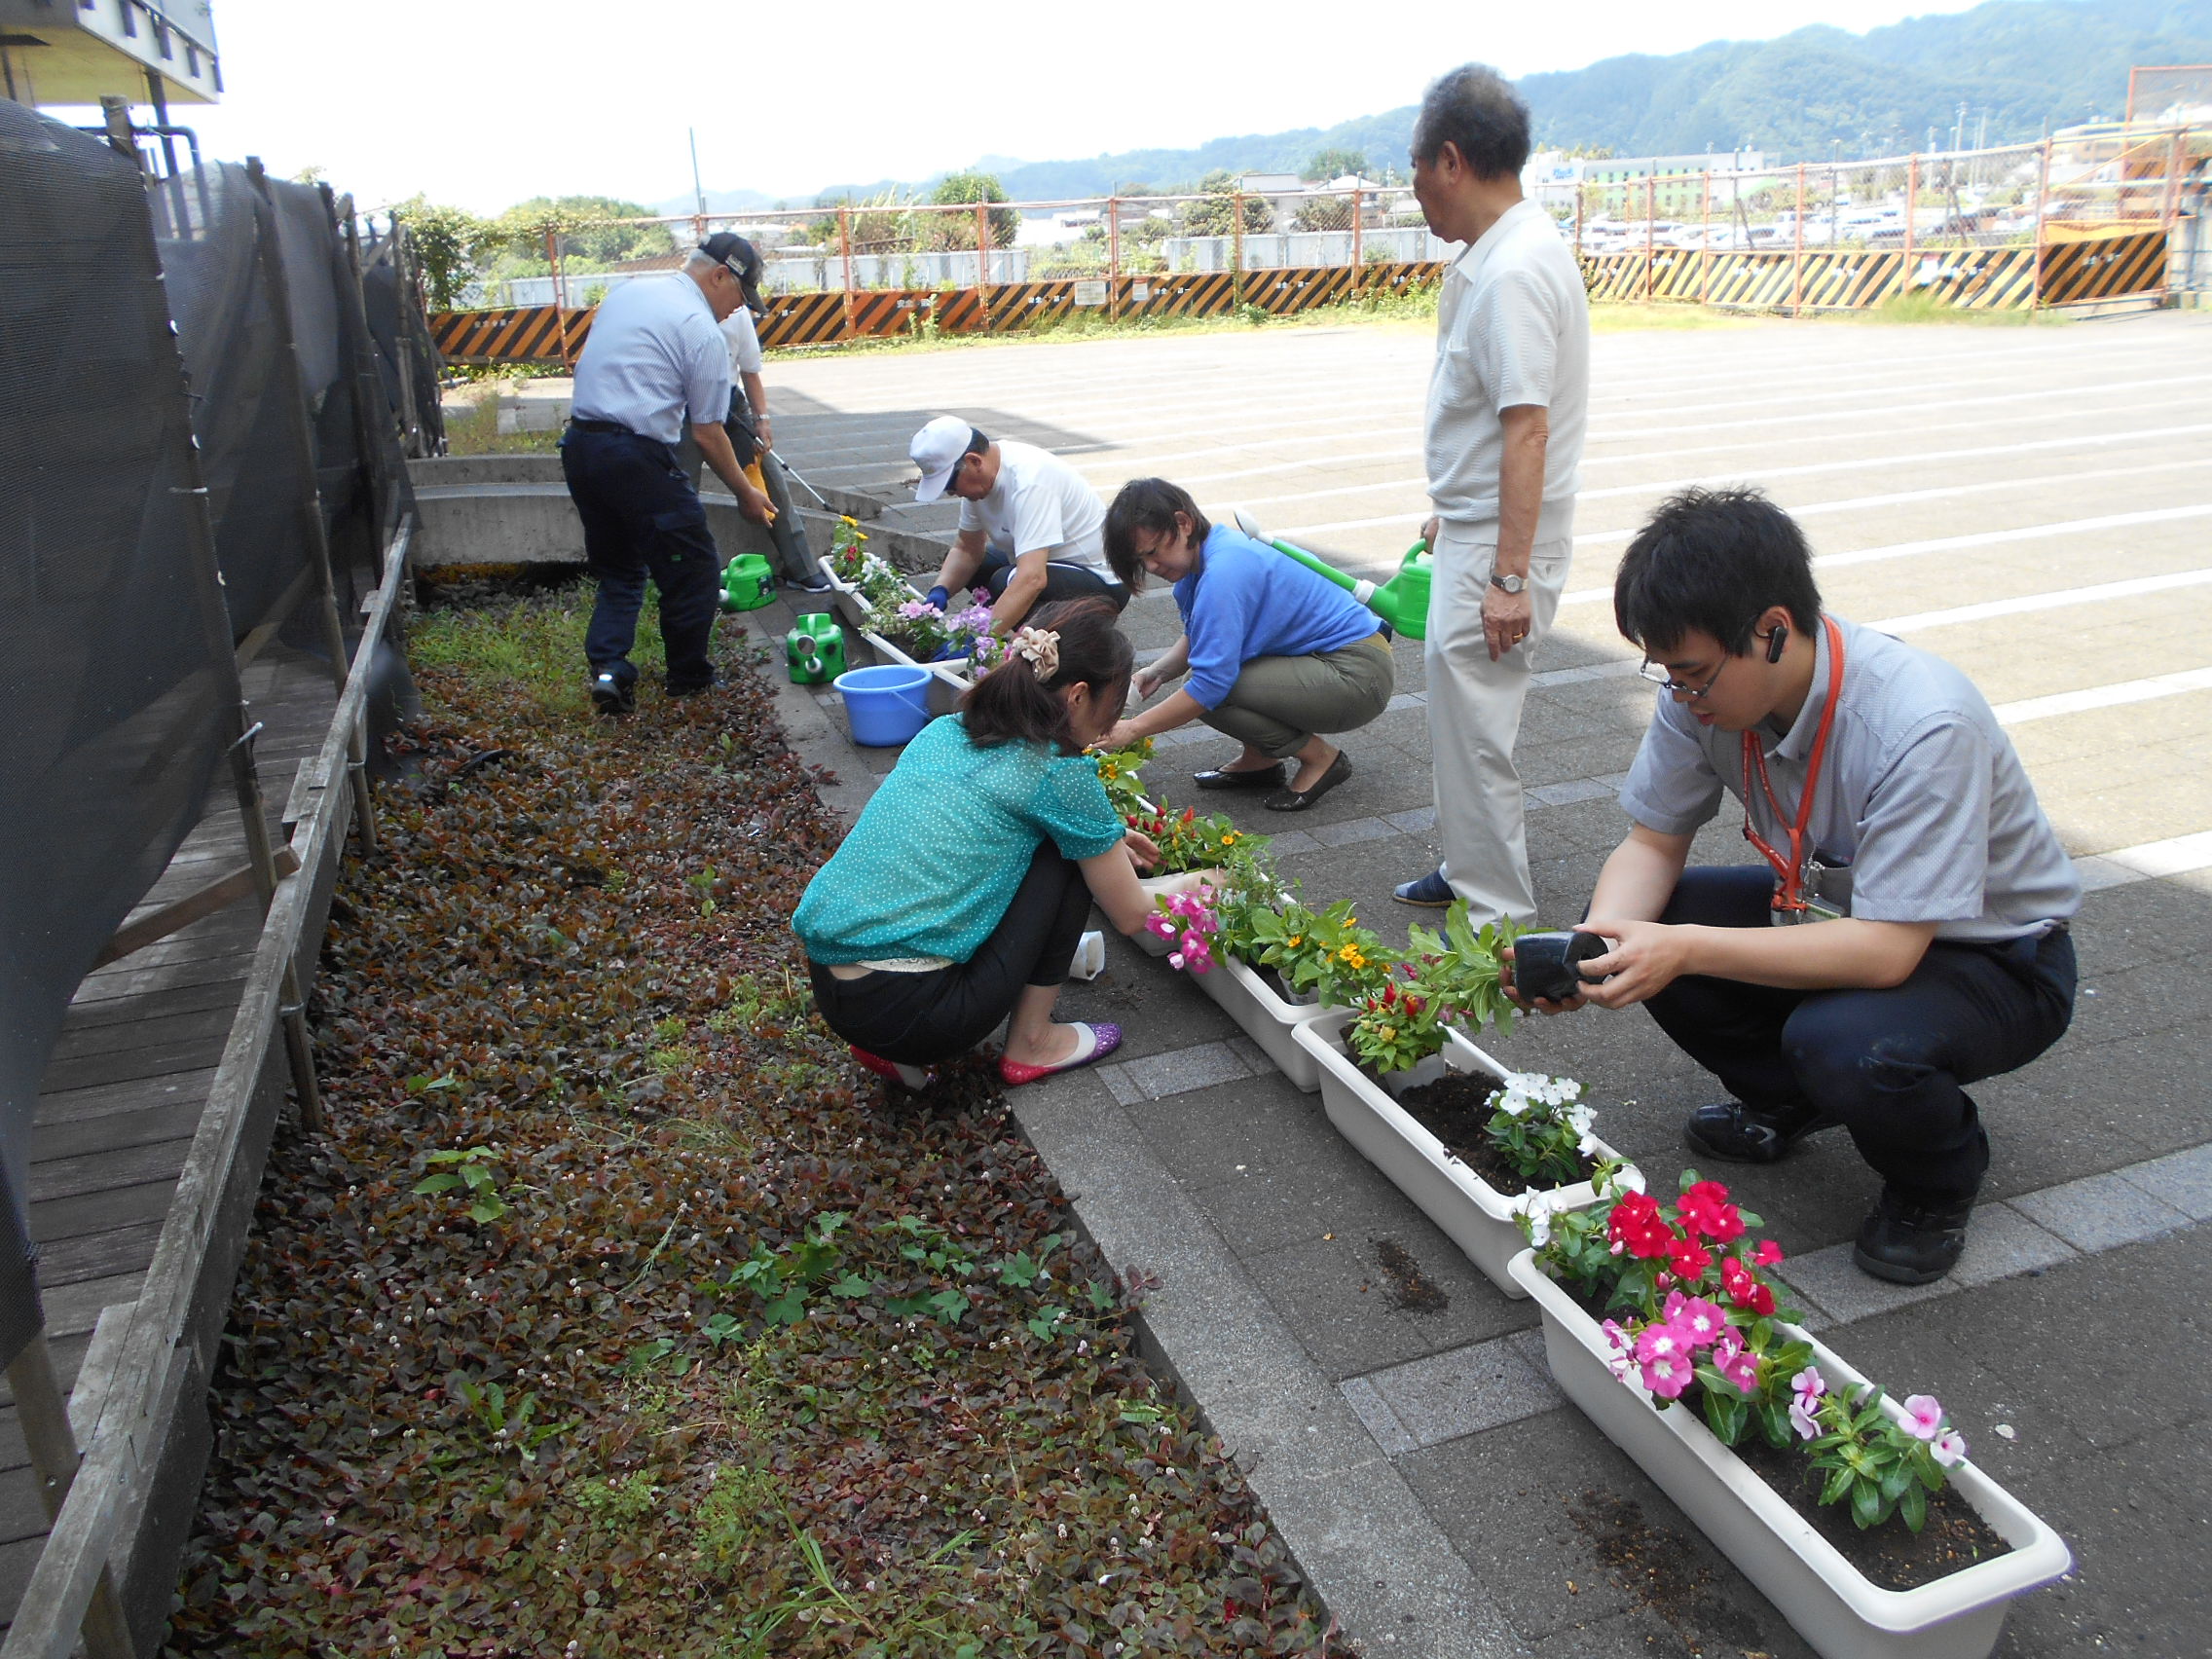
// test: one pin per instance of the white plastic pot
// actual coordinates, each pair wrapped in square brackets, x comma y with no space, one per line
[1827,1601]
[1266,1019]
[1475,1215]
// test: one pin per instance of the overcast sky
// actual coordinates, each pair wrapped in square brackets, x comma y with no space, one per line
[484,104]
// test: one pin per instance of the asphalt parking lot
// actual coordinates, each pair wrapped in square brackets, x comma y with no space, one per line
[2032,504]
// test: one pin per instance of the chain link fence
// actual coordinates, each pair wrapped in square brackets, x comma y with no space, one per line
[1965,228]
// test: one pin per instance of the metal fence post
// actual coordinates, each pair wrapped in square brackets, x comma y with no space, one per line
[846,246]
[1705,241]
[1237,250]
[1912,219]
[1650,231]
[1113,259]
[560,296]
[1797,250]
[1358,214]
[2166,207]
[2042,206]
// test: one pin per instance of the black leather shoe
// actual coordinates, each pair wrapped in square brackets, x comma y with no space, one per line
[1259,777]
[1298,800]
[1913,1238]
[1737,1133]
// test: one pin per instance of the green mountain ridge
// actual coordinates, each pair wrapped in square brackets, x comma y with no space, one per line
[2031,64]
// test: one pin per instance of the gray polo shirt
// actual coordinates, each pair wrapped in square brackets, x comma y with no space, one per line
[1921,794]
[655,362]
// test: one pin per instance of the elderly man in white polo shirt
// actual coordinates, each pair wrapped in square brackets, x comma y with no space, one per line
[1888,808]
[1030,528]
[1508,398]
[655,362]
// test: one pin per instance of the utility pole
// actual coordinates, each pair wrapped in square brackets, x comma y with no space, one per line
[698,190]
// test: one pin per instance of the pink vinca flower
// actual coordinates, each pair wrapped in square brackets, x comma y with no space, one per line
[1923,1417]
[1801,1417]
[1663,1341]
[1949,1448]
[1667,1375]
[1809,1384]
[1622,1359]
[1194,957]
[1741,1368]
[1702,1319]
[1163,926]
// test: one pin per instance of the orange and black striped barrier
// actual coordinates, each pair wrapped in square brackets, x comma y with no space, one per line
[2001,279]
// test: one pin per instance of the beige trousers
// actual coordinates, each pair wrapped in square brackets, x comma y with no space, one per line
[1474,713]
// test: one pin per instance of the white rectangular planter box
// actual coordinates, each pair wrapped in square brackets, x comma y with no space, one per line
[844,598]
[1475,1215]
[1827,1601]
[1266,1019]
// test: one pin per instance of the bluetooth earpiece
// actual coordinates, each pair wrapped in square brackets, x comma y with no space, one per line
[1777,637]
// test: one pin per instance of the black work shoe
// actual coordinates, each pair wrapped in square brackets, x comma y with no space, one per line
[1737,1133]
[1912,1237]
[612,696]
[806,581]
[691,690]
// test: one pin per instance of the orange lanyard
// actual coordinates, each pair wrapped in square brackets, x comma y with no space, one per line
[1790,896]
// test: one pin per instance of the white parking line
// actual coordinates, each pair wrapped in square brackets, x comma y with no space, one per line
[1757,475]
[1954,543]
[2059,600]
[2028,709]
[2180,854]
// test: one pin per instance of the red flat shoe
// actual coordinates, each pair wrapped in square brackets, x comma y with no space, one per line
[1095,1044]
[913,1078]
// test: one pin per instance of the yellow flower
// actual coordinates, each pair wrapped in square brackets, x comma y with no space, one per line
[1352,957]
[1230,840]
[1296,939]
[847,518]
[1388,1033]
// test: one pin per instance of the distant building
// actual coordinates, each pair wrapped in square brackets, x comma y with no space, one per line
[1677,182]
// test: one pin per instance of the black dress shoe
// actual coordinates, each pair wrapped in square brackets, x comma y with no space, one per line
[1259,777]
[1298,800]
[1913,1238]
[1737,1133]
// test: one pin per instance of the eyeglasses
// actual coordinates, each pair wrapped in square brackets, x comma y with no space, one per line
[1657,674]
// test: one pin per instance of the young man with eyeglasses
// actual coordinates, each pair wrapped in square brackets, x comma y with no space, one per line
[1888,809]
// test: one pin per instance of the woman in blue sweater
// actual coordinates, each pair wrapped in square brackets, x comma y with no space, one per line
[1276,655]
[960,895]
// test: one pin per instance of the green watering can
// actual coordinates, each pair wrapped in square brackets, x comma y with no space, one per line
[748,583]
[814,649]
[1401,601]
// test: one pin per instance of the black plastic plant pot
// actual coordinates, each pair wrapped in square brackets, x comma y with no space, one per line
[1545,964]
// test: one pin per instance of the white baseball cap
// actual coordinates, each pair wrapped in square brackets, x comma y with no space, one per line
[936,450]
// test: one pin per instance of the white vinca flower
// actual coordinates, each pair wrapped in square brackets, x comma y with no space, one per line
[1538,1209]
[1579,1118]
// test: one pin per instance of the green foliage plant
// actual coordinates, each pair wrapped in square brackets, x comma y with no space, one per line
[472,1174]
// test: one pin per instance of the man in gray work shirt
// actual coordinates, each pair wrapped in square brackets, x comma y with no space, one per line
[1888,808]
[655,362]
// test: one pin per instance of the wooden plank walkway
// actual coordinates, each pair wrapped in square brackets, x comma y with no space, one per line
[130,1074]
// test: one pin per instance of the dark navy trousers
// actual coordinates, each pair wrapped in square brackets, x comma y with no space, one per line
[643,519]
[1886,1065]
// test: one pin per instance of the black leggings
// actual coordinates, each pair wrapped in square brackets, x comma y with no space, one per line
[916,1018]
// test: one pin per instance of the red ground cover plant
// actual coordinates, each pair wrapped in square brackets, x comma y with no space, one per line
[619,1313]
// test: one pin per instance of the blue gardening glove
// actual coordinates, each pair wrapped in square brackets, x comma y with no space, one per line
[937,597]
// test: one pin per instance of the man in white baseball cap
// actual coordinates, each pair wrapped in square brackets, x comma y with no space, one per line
[1030,528]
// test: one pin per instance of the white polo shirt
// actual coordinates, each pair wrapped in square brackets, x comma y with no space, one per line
[744,341]
[1512,328]
[655,362]
[1042,501]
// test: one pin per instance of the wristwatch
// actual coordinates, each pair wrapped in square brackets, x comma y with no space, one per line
[1511,584]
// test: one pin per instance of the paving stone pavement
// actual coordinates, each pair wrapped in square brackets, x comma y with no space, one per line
[1442,1497]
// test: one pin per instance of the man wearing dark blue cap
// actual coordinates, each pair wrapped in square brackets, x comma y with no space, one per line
[654,364]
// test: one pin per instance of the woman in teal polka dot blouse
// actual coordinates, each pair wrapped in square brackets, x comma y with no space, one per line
[958,900]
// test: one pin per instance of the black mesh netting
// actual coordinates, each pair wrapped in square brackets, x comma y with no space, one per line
[109,621]
[106,673]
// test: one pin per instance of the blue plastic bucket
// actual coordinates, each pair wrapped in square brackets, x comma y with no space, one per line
[886,706]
